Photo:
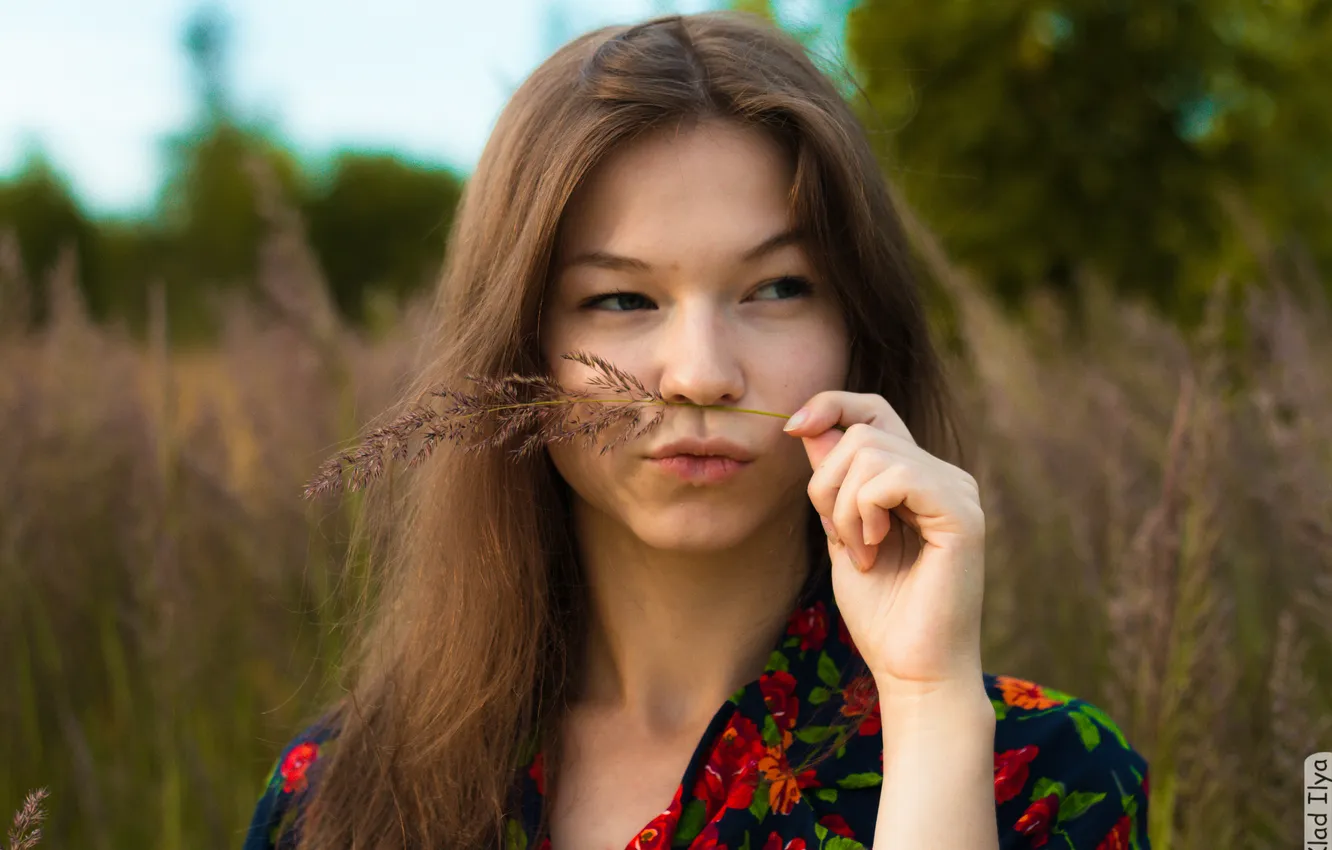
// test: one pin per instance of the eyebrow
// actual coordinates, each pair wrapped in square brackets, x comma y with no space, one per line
[618,262]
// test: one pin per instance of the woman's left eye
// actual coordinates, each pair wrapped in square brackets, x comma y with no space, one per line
[799,285]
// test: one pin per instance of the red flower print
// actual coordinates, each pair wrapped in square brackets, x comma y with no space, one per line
[845,637]
[795,844]
[810,625]
[1036,821]
[861,699]
[779,696]
[545,843]
[659,831]
[538,772]
[1144,784]
[774,842]
[707,839]
[837,825]
[295,765]
[731,773]
[1118,836]
[1010,772]
[1024,694]
[652,837]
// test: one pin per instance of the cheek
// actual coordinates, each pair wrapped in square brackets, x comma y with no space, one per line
[593,477]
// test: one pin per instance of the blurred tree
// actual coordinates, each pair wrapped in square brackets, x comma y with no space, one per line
[40,209]
[1039,138]
[377,223]
[207,206]
[380,224]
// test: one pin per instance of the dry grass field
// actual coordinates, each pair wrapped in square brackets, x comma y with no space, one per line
[1159,508]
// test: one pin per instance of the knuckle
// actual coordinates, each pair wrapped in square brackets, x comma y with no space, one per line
[858,432]
[820,497]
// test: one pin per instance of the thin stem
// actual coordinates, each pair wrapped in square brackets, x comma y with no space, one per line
[367,461]
[628,401]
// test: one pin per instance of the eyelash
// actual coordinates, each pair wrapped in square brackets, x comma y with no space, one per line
[804,287]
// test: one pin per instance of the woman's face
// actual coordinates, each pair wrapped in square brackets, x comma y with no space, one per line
[676,262]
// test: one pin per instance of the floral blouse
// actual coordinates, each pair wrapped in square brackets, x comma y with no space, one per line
[1064,775]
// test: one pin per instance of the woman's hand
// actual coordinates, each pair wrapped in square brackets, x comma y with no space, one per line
[917,625]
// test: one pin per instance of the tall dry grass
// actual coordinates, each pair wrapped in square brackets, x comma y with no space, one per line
[1159,506]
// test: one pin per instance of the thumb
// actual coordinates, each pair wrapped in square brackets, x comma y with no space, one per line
[818,438]
[818,446]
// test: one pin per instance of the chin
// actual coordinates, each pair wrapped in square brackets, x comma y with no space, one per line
[691,531]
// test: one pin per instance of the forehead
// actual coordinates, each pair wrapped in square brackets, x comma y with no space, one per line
[715,186]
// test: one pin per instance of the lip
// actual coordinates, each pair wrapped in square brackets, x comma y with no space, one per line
[713,447]
[700,470]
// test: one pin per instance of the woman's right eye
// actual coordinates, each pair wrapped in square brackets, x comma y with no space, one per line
[802,288]
[619,293]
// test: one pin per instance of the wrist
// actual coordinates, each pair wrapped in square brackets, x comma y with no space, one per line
[961,709]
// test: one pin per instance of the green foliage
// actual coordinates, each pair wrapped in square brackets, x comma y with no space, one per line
[377,224]
[381,223]
[209,214]
[40,209]
[1039,138]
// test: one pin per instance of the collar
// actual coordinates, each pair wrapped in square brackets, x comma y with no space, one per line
[792,742]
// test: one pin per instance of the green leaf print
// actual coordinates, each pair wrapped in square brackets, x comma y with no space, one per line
[1091,738]
[815,734]
[827,795]
[819,695]
[861,780]
[272,780]
[1128,801]
[514,837]
[772,736]
[1101,718]
[841,842]
[1046,786]
[1000,708]
[1059,696]
[759,808]
[1076,803]
[530,745]
[691,823]
[777,661]
[828,671]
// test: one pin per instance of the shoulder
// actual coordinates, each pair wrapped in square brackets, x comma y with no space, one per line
[291,779]
[1063,770]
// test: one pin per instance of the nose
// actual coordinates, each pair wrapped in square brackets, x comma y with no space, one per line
[700,356]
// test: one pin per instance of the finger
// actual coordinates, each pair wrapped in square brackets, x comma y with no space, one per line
[917,499]
[833,408]
[834,463]
[877,524]
[834,447]
[847,517]
[830,472]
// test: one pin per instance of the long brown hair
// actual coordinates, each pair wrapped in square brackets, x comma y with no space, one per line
[463,658]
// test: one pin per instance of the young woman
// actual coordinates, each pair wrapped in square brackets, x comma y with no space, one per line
[740,649]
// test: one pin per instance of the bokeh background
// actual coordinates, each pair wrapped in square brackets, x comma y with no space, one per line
[217,224]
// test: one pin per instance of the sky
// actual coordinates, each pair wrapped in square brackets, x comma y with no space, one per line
[98,84]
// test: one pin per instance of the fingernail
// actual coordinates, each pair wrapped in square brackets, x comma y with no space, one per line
[796,420]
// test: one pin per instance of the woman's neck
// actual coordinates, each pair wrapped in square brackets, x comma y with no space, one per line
[674,634]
